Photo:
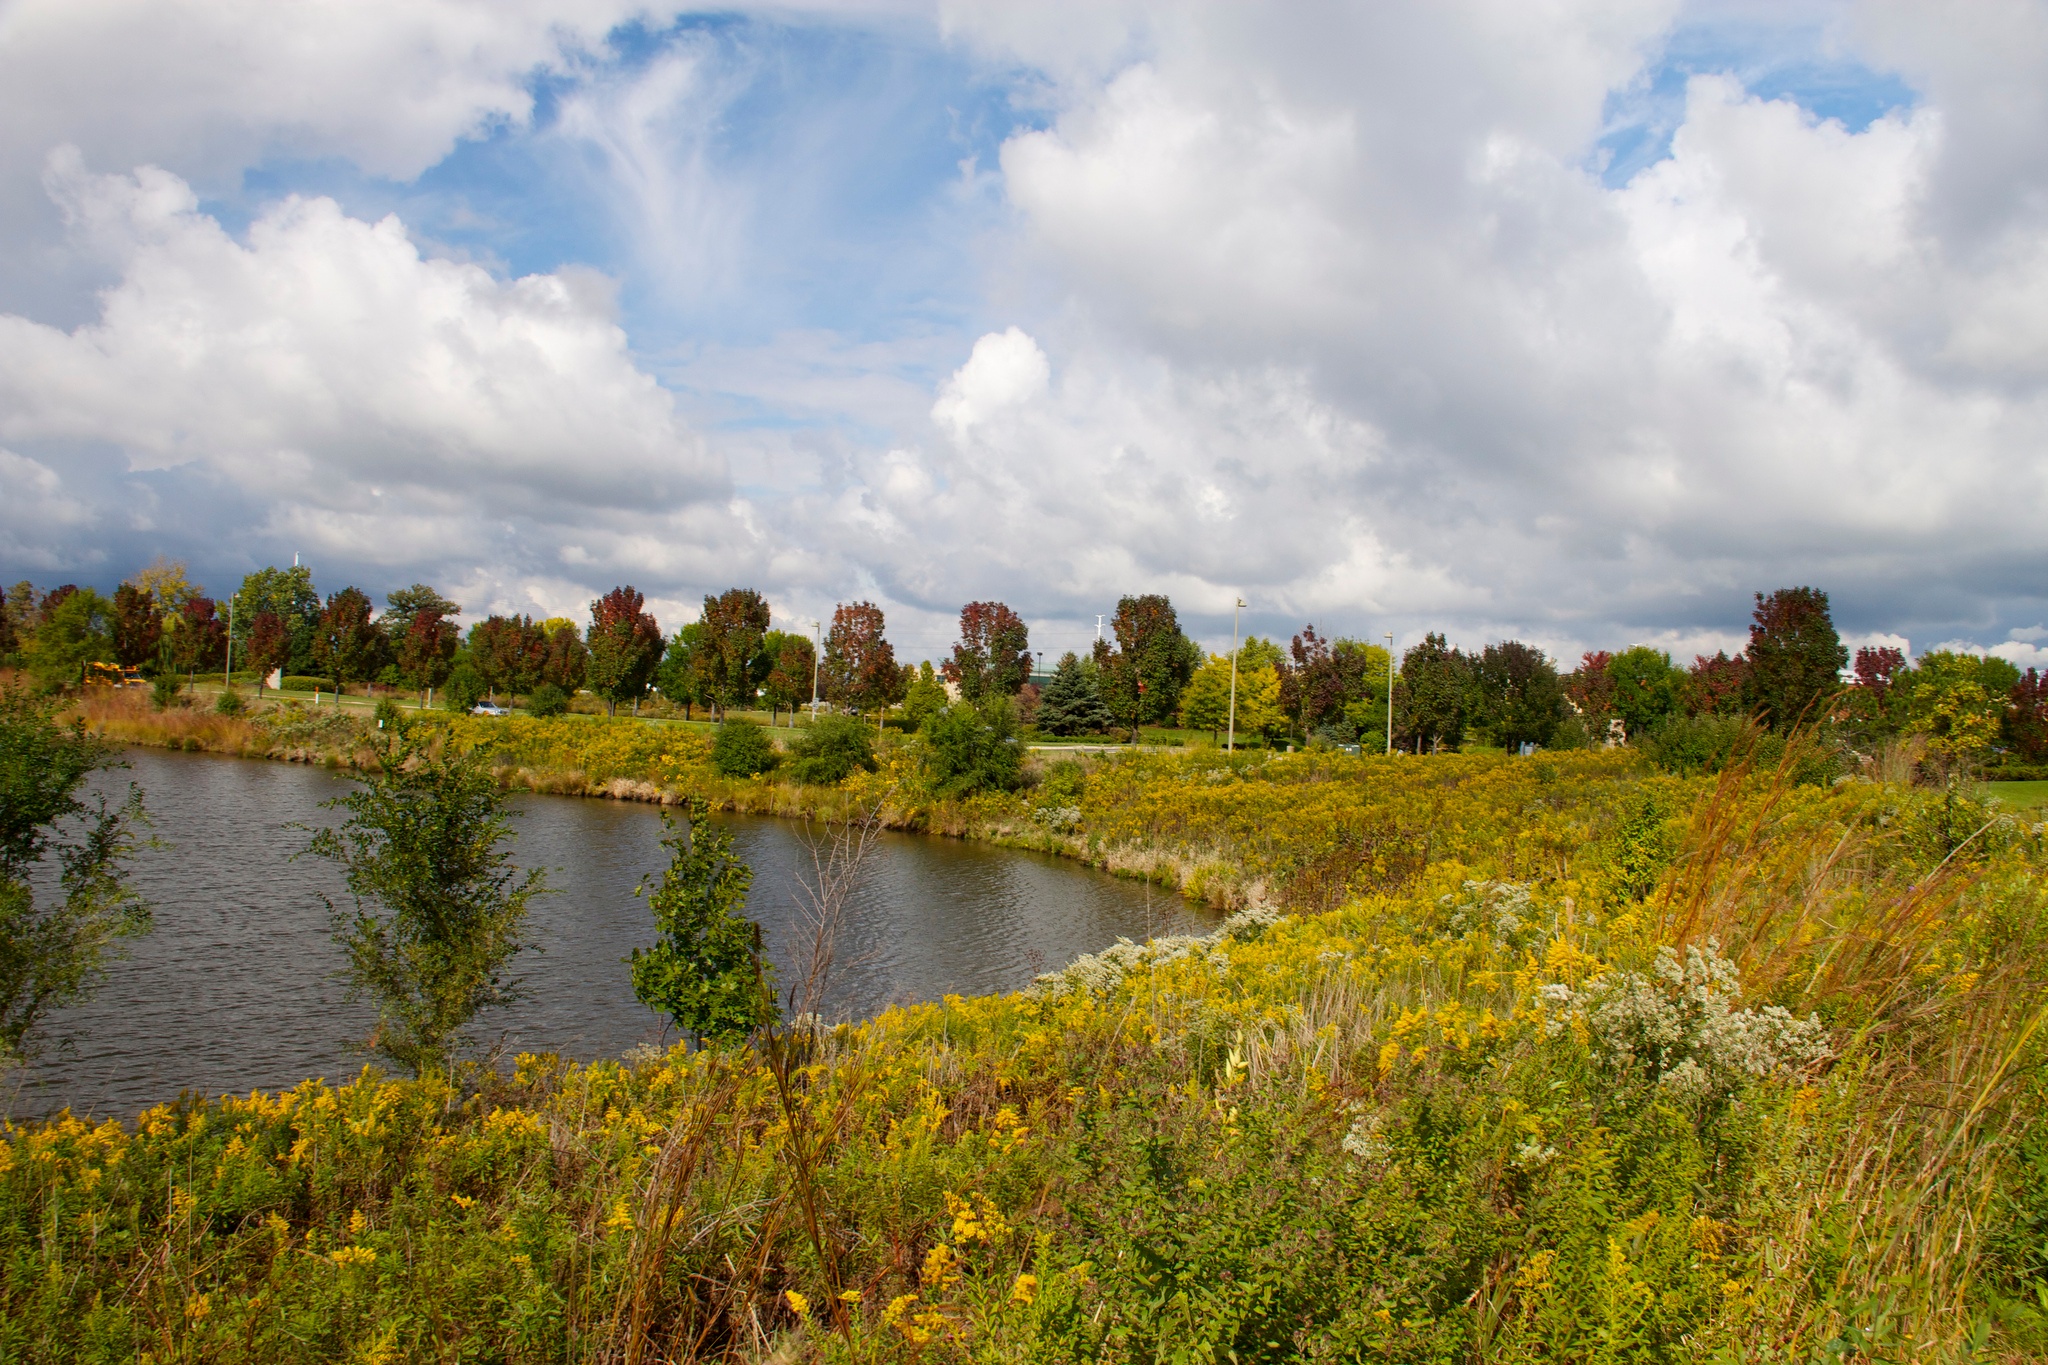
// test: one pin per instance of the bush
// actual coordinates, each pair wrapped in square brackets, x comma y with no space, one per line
[830,750]
[463,690]
[299,682]
[389,717]
[1697,744]
[972,748]
[742,749]
[230,704]
[547,700]
[164,690]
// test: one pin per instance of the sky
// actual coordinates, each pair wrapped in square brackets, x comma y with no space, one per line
[1575,323]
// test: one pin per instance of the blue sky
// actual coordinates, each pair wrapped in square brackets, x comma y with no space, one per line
[1050,304]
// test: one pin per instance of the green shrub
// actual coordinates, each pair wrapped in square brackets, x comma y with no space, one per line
[547,700]
[971,748]
[1065,783]
[164,690]
[1699,744]
[742,749]
[464,689]
[300,682]
[230,703]
[830,750]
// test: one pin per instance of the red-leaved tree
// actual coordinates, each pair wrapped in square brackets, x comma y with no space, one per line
[860,665]
[993,656]
[2026,717]
[1713,687]
[625,647]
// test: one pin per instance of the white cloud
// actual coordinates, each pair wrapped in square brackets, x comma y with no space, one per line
[1006,370]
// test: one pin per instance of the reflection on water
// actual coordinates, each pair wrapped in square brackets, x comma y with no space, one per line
[236,988]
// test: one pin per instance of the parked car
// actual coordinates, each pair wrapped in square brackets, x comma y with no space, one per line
[484,708]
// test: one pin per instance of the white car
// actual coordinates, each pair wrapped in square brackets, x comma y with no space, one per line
[484,708]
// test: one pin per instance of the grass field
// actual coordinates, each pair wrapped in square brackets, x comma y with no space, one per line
[2018,795]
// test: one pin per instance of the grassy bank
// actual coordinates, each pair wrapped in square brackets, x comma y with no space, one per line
[1506,1061]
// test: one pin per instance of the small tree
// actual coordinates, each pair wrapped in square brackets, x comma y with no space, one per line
[740,748]
[268,645]
[426,652]
[1435,696]
[860,664]
[1795,658]
[1520,699]
[2026,717]
[1645,688]
[138,627]
[791,672]
[77,628]
[993,655]
[1713,687]
[1205,701]
[346,646]
[439,909]
[1070,704]
[924,698]
[289,596]
[53,945]
[970,748]
[706,972]
[625,647]
[198,636]
[567,659]
[726,654]
[1142,677]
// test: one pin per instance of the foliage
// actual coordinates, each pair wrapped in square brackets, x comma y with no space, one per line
[164,690]
[1433,697]
[1645,688]
[54,838]
[137,625]
[426,651]
[706,971]
[287,596]
[439,910]
[229,703]
[75,629]
[740,748]
[973,748]
[1327,683]
[625,647]
[860,665]
[345,643]
[792,670]
[407,605]
[831,749]
[727,656]
[1794,661]
[1713,687]
[2026,717]
[1518,697]
[1071,704]
[547,700]
[1590,690]
[268,645]
[924,698]
[197,635]
[993,655]
[1141,677]
[1584,1064]
[464,686]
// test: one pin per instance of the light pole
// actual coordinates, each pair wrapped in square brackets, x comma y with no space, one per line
[817,653]
[1390,694]
[227,680]
[1230,744]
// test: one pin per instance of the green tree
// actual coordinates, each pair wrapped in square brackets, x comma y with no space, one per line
[830,750]
[72,848]
[406,605]
[1519,697]
[1794,657]
[791,672]
[924,698]
[1956,700]
[288,595]
[76,628]
[625,647]
[676,676]
[346,646]
[970,748]
[1645,688]
[1070,704]
[1433,698]
[1205,701]
[1142,677]
[727,655]
[439,909]
[426,651]
[993,654]
[706,971]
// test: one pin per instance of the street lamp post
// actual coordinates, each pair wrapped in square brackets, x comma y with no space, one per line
[227,680]
[1230,744]
[1390,694]
[817,653]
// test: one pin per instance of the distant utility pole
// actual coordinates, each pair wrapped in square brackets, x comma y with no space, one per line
[1390,693]
[1230,744]
[227,679]
[817,652]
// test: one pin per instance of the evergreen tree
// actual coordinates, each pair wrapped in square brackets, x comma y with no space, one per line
[1795,658]
[1070,704]
[707,972]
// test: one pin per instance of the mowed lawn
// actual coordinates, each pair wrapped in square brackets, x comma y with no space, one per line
[2019,795]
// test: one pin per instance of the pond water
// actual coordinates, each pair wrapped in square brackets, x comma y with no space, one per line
[237,987]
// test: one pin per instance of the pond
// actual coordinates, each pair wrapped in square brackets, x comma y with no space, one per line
[238,986]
